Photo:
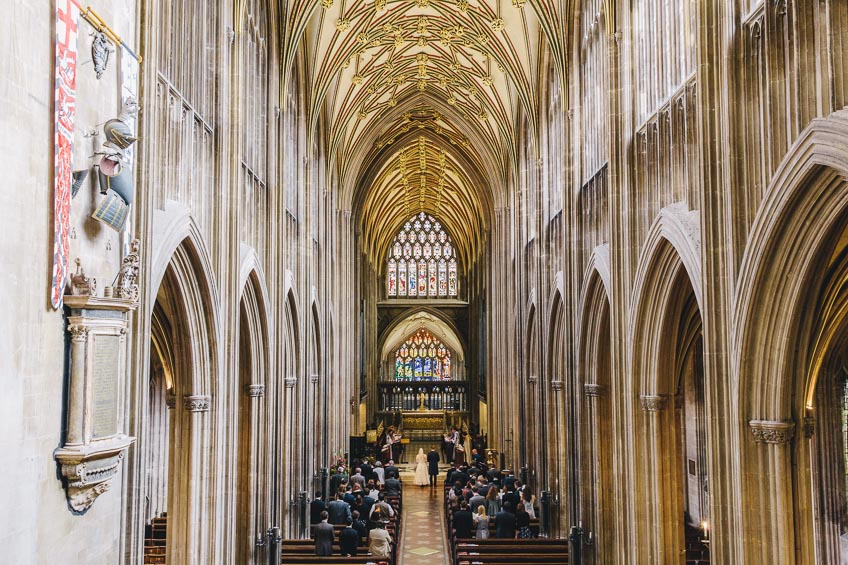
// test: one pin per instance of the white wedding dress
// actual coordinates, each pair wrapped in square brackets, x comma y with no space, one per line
[422,477]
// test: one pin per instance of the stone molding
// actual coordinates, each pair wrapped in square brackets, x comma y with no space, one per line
[772,431]
[255,390]
[653,402]
[197,402]
[556,385]
[594,390]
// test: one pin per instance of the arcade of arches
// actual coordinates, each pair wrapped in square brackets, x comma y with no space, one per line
[606,239]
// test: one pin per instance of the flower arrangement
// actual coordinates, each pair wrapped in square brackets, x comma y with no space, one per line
[339,464]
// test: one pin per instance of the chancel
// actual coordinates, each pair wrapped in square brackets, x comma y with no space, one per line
[395,282]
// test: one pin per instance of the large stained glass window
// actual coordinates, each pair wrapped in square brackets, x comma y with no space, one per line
[423,357]
[422,261]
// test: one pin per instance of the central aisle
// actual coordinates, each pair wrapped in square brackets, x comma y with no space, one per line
[423,539]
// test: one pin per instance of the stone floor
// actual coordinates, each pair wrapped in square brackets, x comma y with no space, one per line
[423,539]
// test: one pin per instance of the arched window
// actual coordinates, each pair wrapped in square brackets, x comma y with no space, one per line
[422,357]
[422,261]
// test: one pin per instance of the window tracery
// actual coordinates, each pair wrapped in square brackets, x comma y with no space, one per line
[422,357]
[422,261]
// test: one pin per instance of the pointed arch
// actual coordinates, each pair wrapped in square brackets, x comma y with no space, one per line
[797,238]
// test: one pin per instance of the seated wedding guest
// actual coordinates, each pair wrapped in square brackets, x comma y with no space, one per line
[324,534]
[379,541]
[348,540]
[481,521]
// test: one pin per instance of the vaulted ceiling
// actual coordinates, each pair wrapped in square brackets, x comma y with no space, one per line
[423,100]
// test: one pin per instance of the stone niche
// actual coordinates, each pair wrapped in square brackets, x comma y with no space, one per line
[95,443]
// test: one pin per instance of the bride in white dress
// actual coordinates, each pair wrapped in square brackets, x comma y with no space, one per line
[421,476]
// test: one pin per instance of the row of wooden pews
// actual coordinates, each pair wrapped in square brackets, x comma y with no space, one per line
[497,551]
[155,536]
[302,551]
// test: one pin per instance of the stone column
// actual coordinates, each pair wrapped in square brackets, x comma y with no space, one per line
[76,405]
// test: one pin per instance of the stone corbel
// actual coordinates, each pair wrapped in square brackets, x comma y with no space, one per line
[313,378]
[772,431]
[255,390]
[532,379]
[556,385]
[197,402]
[89,470]
[653,402]
[809,426]
[290,382]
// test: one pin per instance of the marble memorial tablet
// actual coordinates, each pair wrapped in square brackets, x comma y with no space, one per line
[104,415]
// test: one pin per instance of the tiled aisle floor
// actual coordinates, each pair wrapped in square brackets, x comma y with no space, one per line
[423,538]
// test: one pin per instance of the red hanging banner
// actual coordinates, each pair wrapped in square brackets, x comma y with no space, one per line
[67,22]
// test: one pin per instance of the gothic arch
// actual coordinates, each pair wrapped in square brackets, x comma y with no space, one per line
[186,318]
[556,362]
[594,360]
[793,240]
[254,363]
[665,331]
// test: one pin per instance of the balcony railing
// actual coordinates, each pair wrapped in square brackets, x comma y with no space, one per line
[404,396]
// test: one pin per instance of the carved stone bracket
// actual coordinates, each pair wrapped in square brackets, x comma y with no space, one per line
[255,391]
[197,402]
[772,431]
[653,402]
[556,385]
[594,390]
[88,470]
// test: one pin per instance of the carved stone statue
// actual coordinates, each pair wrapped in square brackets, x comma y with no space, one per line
[126,285]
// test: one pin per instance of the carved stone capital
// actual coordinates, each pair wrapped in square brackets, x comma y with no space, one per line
[78,332]
[772,431]
[532,379]
[653,402]
[594,389]
[313,378]
[255,391]
[290,382]
[556,385]
[197,402]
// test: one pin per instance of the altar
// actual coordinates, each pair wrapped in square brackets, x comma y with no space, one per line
[424,429]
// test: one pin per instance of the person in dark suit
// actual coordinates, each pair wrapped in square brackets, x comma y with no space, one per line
[463,521]
[512,497]
[324,535]
[393,486]
[391,468]
[315,508]
[336,481]
[367,470]
[505,522]
[360,526]
[433,465]
[348,540]
[339,511]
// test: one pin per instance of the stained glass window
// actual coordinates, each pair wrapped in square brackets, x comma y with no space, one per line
[422,262]
[422,357]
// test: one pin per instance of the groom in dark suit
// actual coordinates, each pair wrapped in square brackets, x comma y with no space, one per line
[433,464]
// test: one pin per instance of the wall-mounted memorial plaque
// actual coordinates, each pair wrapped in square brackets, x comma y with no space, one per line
[94,444]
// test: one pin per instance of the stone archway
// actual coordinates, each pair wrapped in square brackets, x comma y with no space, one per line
[184,349]
[253,369]
[594,373]
[554,406]
[667,367]
[792,303]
